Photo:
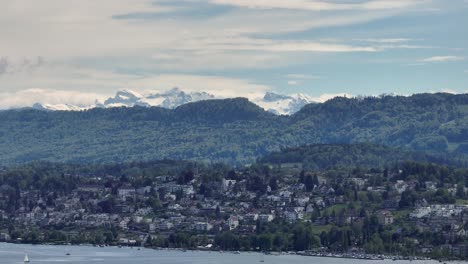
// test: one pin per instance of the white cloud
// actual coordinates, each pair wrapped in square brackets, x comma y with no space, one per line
[327,96]
[266,45]
[8,66]
[451,91]
[83,44]
[61,85]
[57,76]
[314,5]
[317,47]
[402,46]
[219,86]
[443,59]
[28,97]
[292,82]
[386,40]
[87,29]
[301,76]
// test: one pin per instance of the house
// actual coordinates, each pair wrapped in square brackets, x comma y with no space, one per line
[144,211]
[460,250]
[91,188]
[285,196]
[252,217]
[165,225]
[152,227]
[144,190]
[265,218]
[430,185]
[227,184]
[125,192]
[302,201]
[4,237]
[293,215]
[392,203]
[247,229]
[137,219]
[318,201]
[420,212]
[360,182]
[202,226]
[309,209]
[385,217]
[123,224]
[123,241]
[175,207]
[401,186]
[233,222]
[350,217]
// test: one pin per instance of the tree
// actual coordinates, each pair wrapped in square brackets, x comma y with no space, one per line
[265,242]
[460,190]
[108,205]
[316,180]
[309,183]
[375,245]
[273,183]
[408,198]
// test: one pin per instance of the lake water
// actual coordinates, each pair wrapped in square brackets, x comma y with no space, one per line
[14,254]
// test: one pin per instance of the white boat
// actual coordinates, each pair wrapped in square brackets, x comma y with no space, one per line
[26,258]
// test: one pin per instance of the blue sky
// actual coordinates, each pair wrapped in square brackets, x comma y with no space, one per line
[58,51]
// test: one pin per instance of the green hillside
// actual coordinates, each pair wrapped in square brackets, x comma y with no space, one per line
[235,131]
[364,155]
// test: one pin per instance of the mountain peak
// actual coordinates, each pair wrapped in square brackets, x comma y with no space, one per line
[175,90]
[272,102]
[222,110]
[129,92]
[283,104]
[271,97]
[125,97]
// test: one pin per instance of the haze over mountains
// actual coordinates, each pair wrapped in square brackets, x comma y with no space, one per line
[276,103]
[235,131]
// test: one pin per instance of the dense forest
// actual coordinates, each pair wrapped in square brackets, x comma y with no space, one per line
[365,155]
[234,131]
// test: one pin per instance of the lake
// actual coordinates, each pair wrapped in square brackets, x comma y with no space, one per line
[14,254]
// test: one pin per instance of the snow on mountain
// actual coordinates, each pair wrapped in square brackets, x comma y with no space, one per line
[272,102]
[127,98]
[283,104]
[60,107]
[175,97]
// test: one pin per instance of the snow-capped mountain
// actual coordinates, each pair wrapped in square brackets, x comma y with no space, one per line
[272,102]
[169,99]
[61,107]
[126,98]
[176,97]
[283,104]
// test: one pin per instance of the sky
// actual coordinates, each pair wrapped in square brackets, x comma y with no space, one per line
[64,51]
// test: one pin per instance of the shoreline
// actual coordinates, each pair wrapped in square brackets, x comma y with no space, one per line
[357,256]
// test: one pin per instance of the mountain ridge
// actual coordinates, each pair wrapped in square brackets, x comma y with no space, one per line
[235,130]
[273,102]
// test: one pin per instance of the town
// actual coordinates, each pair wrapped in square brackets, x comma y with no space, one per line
[264,207]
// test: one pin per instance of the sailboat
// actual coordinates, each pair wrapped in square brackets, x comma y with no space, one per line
[262,257]
[26,259]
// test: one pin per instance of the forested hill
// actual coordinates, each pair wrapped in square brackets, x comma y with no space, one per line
[232,130]
[363,155]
